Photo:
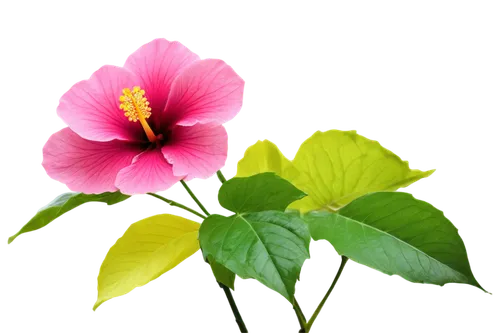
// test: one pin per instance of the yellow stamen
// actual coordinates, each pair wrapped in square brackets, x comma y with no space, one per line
[136,107]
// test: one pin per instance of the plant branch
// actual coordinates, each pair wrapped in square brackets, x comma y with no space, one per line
[300,316]
[234,308]
[221,177]
[176,204]
[194,198]
[323,301]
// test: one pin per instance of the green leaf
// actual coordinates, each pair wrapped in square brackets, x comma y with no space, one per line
[221,273]
[265,191]
[270,247]
[148,249]
[342,166]
[264,156]
[333,168]
[64,203]
[396,234]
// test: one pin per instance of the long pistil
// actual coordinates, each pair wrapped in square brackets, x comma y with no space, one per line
[136,107]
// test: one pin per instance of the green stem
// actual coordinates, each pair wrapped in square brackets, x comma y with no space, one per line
[221,177]
[194,198]
[233,305]
[234,308]
[300,316]
[323,301]
[176,204]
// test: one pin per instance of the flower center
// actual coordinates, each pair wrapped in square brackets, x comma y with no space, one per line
[136,107]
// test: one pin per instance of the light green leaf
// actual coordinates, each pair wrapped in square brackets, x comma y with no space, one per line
[63,204]
[270,247]
[333,168]
[221,273]
[342,166]
[148,249]
[396,234]
[265,191]
[264,156]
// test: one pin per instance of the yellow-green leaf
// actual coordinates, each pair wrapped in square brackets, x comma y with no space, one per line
[264,156]
[148,249]
[333,168]
[342,166]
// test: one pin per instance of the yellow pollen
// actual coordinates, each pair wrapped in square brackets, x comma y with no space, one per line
[136,107]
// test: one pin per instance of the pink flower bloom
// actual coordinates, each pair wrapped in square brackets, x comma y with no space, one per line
[143,127]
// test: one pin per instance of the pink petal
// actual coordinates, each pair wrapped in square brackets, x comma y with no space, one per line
[86,166]
[197,151]
[157,64]
[208,91]
[149,172]
[91,107]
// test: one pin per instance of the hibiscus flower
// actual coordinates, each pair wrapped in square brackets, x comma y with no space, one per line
[143,127]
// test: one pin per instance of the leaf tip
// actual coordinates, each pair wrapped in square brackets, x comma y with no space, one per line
[483,290]
[97,304]
[431,171]
[10,240]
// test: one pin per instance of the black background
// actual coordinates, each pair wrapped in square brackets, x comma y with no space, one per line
[424,87]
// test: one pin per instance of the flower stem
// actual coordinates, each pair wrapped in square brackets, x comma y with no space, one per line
[234,308]
[221,177]
[300,316]
[323,301]
[194,198]
[176,204]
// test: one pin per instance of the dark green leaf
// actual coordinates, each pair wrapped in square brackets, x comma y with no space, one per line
[396,234]
[264,191]
[64,203]
[221,273]
[267,246]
